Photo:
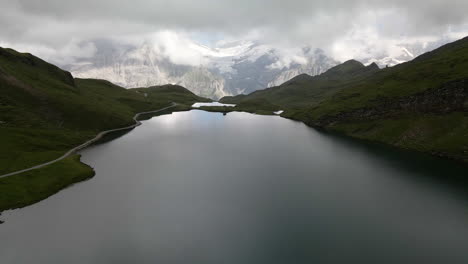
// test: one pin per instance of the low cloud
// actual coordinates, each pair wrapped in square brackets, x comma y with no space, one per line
[179,48]
[63,55]
[345,29]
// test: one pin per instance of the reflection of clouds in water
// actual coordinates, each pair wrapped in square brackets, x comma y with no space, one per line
[184,123]
[197,105]
[167,121]
[184,120]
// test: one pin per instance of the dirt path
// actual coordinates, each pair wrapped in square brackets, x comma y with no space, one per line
[89,142]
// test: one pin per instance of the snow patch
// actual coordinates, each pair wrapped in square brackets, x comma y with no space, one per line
[408,52]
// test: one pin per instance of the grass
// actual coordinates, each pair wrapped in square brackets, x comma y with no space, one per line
[30,187]
[23,148]
[444,135]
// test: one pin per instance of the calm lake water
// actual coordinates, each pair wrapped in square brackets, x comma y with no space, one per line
[199,187]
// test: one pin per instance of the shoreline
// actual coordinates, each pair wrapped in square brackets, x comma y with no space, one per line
[87,143]
[441,155]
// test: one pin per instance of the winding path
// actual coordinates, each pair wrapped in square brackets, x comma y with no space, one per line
[89,142]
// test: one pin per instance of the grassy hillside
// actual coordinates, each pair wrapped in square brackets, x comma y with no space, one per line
[304,90]
[420,105]
[30,187]
[44,111]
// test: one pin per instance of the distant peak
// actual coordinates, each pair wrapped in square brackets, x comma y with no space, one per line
[373,66]
[348,67]
[303,75]
[300,77]
[354,63]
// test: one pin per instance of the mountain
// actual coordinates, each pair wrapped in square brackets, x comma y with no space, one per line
[420,105]
[304,90]
[44,112]
[401,55]
[317,63]
[229,69]
[403,52]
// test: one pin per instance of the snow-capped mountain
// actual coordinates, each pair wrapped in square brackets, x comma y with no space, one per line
[142,67]
[228,69]
[400,55]
[404,52]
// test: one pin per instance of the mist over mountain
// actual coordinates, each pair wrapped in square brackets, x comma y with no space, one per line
[403,52]
[230,68]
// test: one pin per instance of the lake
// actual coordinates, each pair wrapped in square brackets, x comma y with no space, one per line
[200,187]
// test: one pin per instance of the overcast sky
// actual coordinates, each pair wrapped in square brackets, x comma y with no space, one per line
[62,30]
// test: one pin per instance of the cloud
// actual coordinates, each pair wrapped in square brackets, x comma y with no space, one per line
[179,48]
[63,55]
[342,27]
